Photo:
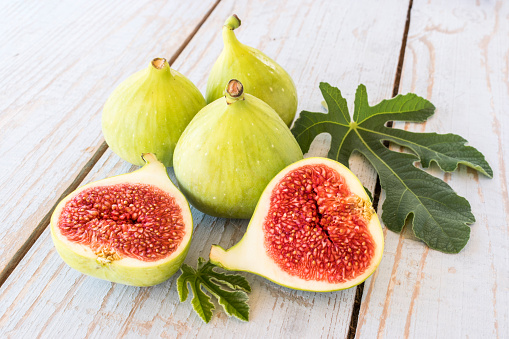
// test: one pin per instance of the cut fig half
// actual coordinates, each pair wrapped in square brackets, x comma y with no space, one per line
[133,229]
[313,229]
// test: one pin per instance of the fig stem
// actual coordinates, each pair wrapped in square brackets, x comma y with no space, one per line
[234,91]
[159,63]
[232,22]
[229,38]
[160,68]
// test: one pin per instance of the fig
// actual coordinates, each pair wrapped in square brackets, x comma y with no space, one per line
[133,229]
[313,229]
[260,75]
[148,112]
[229,153]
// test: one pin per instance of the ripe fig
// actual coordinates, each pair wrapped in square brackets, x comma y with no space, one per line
[313,229]
[230,151]
[148,112]
[133,229]
[260,75]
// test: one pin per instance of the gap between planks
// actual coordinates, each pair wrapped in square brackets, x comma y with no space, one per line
[39,229]
[378,188]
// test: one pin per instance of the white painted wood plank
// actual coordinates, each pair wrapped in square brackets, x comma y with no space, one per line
[339,42]
[457,57]
[60,61]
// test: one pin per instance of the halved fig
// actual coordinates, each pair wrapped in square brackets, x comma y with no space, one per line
[133,229]
[313,229]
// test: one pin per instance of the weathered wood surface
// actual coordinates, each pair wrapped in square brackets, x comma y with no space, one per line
[457,56]
[60,61]
[343,43]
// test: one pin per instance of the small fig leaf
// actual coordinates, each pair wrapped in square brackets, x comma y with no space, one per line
[233,299]
[439,216]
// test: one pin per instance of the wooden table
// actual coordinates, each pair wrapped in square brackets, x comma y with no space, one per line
[61,60]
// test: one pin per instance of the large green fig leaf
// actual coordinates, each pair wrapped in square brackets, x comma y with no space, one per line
[439,216]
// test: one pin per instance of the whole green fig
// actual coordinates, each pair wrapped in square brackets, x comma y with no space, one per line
[260,75]
[230,151]
[148,112]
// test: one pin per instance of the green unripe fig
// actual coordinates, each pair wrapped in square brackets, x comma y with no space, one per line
[260,75]
[230,151]
[148,112]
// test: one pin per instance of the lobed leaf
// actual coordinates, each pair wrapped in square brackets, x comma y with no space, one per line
[233,302]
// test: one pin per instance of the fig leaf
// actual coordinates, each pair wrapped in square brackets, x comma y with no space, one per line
[233,298]
[438,216]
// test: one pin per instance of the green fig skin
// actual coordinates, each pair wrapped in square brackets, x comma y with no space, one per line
[229,153]
[260,75]
[148,112]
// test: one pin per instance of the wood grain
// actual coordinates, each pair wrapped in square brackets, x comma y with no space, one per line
[343,43]
[60,61]
[457,57]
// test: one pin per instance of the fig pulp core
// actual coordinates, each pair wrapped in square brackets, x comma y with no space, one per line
[133,220]
[316,228]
